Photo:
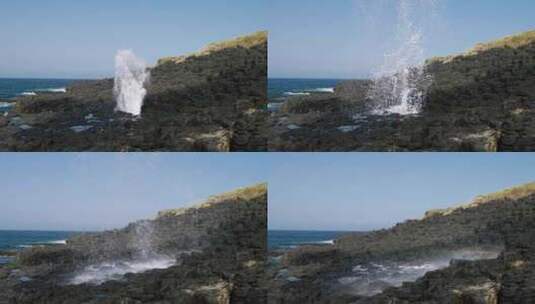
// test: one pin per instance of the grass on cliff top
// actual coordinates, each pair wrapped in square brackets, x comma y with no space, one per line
[246,193]
[247,41]
[512,193]
[513,41]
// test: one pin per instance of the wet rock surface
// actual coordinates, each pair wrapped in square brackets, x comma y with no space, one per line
[213,100]
[483,100]
[481,252]
[218,251]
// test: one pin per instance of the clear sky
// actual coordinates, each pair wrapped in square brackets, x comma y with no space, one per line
[94,191]
[78,39]
[359,191]
[348,38]
[307,191]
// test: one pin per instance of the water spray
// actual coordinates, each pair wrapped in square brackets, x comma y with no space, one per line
[131,75]
[400,84]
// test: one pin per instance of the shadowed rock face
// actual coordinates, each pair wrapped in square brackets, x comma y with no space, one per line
[213,100]
[483,100]
[499,228]
[218,248]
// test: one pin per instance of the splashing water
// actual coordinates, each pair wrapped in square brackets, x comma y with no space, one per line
[145,258]
[373,278]
[143,239]
[131,75]
[401,82]
[115,270]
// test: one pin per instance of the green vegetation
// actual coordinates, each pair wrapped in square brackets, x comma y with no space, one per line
[247,41]
[513,193]
[247,194]
[513,41]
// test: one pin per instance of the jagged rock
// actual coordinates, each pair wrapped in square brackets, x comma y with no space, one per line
[219,247]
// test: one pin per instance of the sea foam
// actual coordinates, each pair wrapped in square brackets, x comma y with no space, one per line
[371,279]
[106,271]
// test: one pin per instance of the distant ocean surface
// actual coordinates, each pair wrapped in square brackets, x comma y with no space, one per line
[16,240]
[283,239]
[279,88]
[10,88]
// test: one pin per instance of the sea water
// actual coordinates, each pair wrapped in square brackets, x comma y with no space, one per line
[11,87]
[286,239]
[17,240]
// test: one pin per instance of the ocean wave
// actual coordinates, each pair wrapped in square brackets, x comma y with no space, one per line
[322,90]
[6,104]
[327,242]
[58,242]
[49,90]
[44,243]
[55,90]
[310,91]
[296,93]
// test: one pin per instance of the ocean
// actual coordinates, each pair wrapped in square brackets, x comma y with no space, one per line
[281,88]
[12,87]
[284,239]
[16,240]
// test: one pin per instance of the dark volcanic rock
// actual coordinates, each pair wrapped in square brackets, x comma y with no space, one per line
[213,100]
[219,247]
[483,100]
[502,222]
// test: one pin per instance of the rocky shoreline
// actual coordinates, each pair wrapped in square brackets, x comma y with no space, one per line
[482,100]
[213,100]
[217,251]
[481,252]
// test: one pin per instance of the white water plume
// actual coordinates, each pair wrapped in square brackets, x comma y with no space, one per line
[400,84]
[131,75]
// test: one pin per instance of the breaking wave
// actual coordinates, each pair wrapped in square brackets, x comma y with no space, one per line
[310,91]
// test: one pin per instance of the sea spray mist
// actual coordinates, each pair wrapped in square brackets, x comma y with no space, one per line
[143,239]
[145,257]
[400,84]
[131,75]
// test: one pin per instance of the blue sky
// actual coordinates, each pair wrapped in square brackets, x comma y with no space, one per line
[348,38]
[78,39]
[94,191]
[363,191]
[307,191]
